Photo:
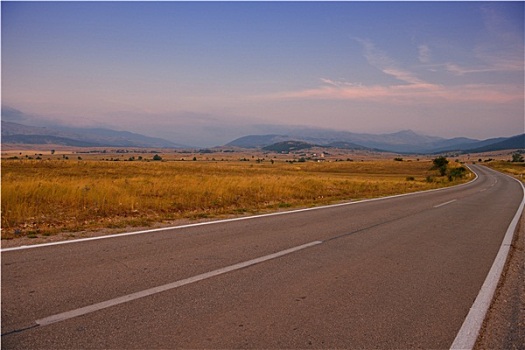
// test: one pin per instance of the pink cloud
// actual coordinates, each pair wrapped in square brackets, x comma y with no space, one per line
[416,93]
[412,89]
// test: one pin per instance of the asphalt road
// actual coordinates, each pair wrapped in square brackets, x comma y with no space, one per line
[401,272]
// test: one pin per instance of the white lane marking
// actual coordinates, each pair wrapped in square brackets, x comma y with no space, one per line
[442,204]
[124,299]
[233,219]
[469,331]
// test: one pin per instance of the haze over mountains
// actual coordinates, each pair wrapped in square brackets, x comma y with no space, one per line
[79,137]
[405,141]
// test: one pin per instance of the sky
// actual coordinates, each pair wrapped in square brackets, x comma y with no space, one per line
[205,73]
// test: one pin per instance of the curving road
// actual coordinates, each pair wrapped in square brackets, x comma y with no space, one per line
[400,272]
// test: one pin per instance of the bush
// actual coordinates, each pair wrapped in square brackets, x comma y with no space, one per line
[517,158]
[157,157]
[440,163]
[456,173]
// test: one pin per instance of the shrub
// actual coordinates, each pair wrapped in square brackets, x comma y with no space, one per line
[440,164]
[456,173]
[517,158]
[157,157]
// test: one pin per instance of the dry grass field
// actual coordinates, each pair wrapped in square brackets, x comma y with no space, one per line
[515,169]
[42,197]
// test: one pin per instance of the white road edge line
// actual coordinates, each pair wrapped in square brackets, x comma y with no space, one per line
[230,220]
[469,331]
[133,296]
[442,204]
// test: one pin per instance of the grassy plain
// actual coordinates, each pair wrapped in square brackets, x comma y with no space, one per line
[47,196]
[515,169]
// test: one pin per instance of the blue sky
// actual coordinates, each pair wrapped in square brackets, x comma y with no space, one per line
[203,73]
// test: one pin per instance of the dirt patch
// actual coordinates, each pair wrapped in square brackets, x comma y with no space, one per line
[504,326]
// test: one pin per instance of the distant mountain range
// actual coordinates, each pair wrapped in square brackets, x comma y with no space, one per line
[405,141]
[79,137]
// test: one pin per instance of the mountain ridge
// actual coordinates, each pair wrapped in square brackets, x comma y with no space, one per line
[404,141]
[79,137]
[514,142]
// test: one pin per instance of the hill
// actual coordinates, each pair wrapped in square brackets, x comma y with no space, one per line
[257,141]
[347,145]
[515,142]
[78,137]
[288,146]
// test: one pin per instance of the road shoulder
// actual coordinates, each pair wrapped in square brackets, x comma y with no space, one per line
[504,325]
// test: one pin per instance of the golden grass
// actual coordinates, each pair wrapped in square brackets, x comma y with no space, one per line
[515,169]
[49,196]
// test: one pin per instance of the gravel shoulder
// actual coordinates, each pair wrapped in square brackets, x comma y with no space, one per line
[504,325]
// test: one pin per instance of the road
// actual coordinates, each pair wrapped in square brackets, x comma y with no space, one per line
[400,272]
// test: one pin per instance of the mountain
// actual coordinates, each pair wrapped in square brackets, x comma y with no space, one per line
[464,147]
[109,137]
[514,142]
[79,137]
[45,140]
[405,141]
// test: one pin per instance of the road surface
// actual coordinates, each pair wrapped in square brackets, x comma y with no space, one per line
[400,272]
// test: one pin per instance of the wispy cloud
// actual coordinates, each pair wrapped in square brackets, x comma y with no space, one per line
[424,53]
[502,65]
[382,61]
[502,51]
[410,90]
[407,94]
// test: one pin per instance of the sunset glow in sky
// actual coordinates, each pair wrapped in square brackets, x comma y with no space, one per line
[205,73]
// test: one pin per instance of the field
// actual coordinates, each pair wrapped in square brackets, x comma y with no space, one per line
[515,169]
[43,197]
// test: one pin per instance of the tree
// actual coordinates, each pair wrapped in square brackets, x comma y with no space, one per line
[440,163]
[517,158]
[157,157]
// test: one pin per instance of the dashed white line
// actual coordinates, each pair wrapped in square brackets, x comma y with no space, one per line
[442,204]
[133,296]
